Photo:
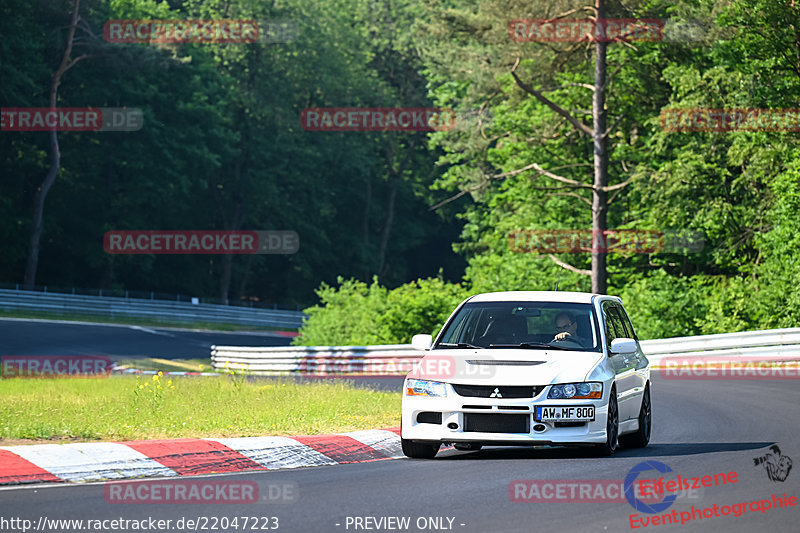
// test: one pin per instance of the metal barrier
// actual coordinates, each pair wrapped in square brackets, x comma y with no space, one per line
[116,307]
[398,359]
[385,360]
[764,345]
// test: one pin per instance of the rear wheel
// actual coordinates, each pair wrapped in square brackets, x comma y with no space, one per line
[642,435]
[419,450]
[612,427]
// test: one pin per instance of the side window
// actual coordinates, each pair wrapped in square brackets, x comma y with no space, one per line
[627,323]
[619,324]
[608,318]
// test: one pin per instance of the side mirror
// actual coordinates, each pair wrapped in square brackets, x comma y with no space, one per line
[623,345]
[422,342]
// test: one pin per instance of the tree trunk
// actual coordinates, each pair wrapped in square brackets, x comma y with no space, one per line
[225,278]
[232,223]
[599,194]
[365,228]
[248,264]
[55,159]
[387,228]
[38,205]
[227,259]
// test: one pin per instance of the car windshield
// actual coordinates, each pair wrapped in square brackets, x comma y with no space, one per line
[530,325]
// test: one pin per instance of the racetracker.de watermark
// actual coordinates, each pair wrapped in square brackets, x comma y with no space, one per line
[199,31]
[619,241]
[722,368]
[201,242]
[201,492]
[54,366]
[377,119]
[578,30]
[586,490]
[607,30]
[71,119]
[729,119]
[448,367]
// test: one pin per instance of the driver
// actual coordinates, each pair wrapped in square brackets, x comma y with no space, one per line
[567,328]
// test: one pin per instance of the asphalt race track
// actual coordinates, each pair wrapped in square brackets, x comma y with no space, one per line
[700,428]
[50,337]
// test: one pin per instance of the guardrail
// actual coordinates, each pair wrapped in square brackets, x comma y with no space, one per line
[764,345]
[116,307]
[398,359]
[385,360]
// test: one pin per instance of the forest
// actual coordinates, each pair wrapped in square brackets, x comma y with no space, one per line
[552,129]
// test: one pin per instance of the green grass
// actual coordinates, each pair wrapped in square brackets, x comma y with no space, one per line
[129,408]
[133,321]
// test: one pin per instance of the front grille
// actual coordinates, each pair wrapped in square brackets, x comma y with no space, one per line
[486,391]
[492,423]
[568,424]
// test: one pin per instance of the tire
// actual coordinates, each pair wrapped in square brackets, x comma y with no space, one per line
[612,427]
[419,450]
[467,446]
[642,435]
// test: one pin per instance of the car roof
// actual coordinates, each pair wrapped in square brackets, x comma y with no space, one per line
[537,296]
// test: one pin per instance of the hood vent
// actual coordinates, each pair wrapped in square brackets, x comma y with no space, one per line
[501,362]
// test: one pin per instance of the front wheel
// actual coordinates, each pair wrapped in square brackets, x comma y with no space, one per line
[642,435]
[419,450]
[612,427]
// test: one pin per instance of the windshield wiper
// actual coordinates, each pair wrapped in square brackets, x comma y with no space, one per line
[529,345]
[458,345]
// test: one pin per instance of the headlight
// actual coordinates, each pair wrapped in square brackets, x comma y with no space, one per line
[420,387]
[583,391]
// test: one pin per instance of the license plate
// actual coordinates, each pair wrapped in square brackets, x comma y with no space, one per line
[563,413]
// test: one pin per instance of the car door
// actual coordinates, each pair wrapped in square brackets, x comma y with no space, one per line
[642,363]
[624,364]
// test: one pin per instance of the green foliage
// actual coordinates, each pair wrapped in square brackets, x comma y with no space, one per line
[355,313]
[222,148]
[347,315]
[421,306]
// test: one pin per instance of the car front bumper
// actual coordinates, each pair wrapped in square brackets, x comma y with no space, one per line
[456,410]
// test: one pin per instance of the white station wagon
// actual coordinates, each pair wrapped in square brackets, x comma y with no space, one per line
[528,369]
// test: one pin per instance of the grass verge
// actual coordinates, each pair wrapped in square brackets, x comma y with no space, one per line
[130,408]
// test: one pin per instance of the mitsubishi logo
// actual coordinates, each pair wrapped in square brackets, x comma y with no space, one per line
[496,393]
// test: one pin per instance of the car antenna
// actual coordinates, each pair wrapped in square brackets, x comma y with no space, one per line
[559,277]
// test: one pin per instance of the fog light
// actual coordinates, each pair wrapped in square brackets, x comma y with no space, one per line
[452,425]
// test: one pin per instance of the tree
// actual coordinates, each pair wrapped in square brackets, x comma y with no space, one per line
[552,74]
[67,62]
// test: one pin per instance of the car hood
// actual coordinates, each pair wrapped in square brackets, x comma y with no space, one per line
[505,366]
